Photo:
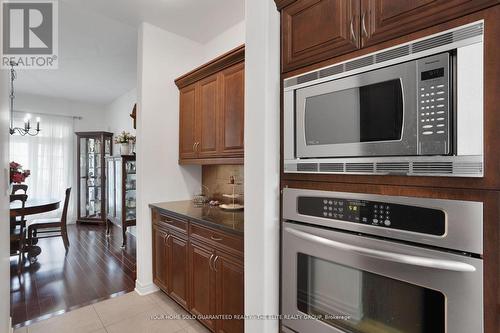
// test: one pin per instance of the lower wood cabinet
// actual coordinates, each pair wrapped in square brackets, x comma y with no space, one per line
[177,267]
[170,267]
[202,270]
[229,279]
[202,283]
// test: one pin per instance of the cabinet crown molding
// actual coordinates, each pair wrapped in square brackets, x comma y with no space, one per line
[227,59]
[280,4]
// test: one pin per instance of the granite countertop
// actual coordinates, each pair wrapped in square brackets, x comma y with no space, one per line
[230,221]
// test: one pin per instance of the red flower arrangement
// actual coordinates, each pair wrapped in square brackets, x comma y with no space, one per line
[17,174]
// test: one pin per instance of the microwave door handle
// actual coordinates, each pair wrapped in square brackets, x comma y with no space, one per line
[448,265]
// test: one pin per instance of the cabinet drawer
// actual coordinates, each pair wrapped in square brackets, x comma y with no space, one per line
[216,237]
[174,223]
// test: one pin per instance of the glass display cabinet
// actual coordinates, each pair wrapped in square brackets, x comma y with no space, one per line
[121,184]
[92,149]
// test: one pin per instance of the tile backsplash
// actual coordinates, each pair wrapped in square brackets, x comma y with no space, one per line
[217,177]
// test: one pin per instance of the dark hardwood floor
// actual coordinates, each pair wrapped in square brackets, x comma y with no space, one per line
[95,268]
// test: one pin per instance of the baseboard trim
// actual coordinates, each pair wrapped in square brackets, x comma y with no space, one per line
[146,289]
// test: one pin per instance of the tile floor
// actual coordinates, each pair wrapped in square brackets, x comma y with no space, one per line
[129,313]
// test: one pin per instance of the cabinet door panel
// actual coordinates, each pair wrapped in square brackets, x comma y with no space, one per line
[382,20]
[202,283]
[178,270]
[315,30]
[187,122]
[160,258]
[232,110]
[230,287]
[207,115]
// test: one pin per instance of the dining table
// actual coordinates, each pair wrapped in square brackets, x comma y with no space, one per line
[32,207]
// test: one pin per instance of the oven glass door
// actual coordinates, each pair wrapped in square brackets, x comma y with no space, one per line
[363,302]
[368,114]
[340,282]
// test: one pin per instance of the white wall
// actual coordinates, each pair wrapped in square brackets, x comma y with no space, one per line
[4,204]
[118,115]
[227,40]
[92,119]
[163,56]
[262,164]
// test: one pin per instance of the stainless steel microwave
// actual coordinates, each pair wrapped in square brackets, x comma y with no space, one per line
[414,109]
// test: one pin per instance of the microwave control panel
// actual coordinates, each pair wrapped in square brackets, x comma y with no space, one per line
[433,105]
[381,214]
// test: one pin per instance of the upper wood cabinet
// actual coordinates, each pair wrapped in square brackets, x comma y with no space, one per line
[207,116]
[187,122]
[232,114]
[212,111]
[316,30]
[382,20]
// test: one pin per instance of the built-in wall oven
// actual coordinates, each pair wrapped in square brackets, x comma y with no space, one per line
[415,109]
[362,263]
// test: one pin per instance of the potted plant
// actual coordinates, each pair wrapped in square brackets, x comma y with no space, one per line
[17,174]
[126,142]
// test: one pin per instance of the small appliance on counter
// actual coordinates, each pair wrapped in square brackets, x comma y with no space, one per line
[201,198]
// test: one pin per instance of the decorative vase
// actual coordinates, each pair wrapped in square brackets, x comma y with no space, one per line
[126,148]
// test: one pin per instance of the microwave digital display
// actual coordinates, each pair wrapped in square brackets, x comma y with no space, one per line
[432,74]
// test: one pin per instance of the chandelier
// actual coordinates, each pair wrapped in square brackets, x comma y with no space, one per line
[27,130]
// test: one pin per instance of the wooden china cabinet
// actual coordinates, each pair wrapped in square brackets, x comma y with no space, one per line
[92,150]
[121,184]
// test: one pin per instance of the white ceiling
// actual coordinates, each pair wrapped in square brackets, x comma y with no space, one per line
[198,20]
[98,43]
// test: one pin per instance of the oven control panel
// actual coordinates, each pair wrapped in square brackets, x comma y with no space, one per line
[380,214]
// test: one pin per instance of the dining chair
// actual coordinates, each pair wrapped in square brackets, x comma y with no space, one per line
[14,221]
[19,187]
[18,232]
[47,228]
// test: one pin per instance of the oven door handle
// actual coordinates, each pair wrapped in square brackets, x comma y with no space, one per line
[448,265]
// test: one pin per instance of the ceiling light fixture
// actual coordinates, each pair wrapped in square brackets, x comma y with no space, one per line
[27,130]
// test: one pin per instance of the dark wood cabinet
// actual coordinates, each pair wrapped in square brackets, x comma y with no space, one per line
[178,268]
[229,277]
[187,122]
[160,275]
[207,116]
[202,282]
[232,115]
[315,30]
[382,20]
[201,269]
[212,111]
